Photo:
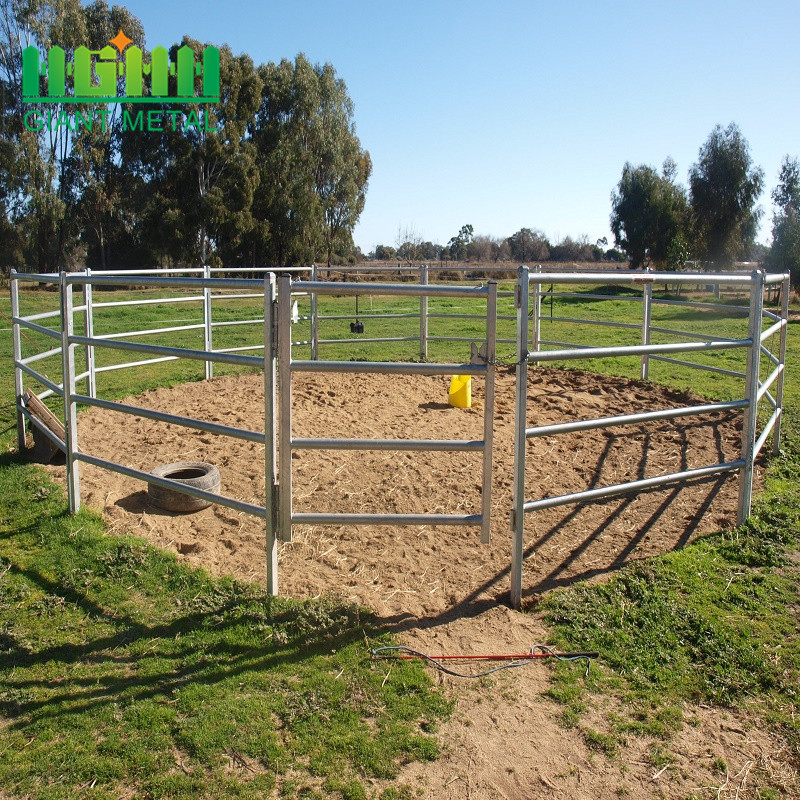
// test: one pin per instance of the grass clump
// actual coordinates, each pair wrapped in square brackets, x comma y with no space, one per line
[125,672]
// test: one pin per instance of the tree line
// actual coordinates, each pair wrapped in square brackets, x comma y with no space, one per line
[272,174]
[658,222]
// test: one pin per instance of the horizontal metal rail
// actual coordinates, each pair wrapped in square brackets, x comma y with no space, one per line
[582,296]
[773,329]
[56,351]
[743,310]
[770,315]
[776,414]
[723,279]
[306,518]
[608,323]
[175,283]
[456,445]
[172,419]
[112,367]
[770,355]
[632,486]
[399,315]
[53,387]
[369,340]
[42,315]
[228,323]
[704,336]
[633,419]
[388,367]
[149,331]
[148,301]
[695,365]
[390,289]
[177,352]
[764,387]
[637,350]
[166,483]
[38,328]
[55,440]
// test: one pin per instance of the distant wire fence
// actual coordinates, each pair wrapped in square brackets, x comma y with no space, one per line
[66,346]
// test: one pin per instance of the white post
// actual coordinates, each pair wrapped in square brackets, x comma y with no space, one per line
[537,313]
[19,388]
[284,334]
[88,323]
[68,385]
[207,336]
[751,393]
[488,412]
[423,314]
[270,438]
[520,423]
[647,314]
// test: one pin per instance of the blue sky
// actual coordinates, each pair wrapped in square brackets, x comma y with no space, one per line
[522,114]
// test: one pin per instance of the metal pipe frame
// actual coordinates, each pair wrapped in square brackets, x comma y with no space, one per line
[309,518]
[423,314]
[632,486]
[38,328]
[647,319]
[583,321]
[591,296]
[636,279]
[455,445]
[695,365]
[785,292]
[54,388]
[751,392]
[285,365]
[70,406]
[764,387]
[147,332]
[633,419]
[88,329]
[19,386]
[488,413]
[387,367]
[773,420]
[369,340]
[314,317]
[147,301]
[636,350]
[208,328]
[271,487]
[390,289]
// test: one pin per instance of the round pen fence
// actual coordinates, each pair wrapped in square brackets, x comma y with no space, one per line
[282,327]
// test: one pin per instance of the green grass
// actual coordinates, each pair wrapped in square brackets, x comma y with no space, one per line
[124,673]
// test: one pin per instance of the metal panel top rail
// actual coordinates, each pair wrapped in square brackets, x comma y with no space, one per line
[287,366]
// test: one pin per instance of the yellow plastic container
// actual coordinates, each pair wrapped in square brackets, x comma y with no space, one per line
[461,391]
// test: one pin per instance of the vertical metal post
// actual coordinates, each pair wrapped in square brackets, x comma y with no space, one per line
[537,312]
[285,408]
[270,438]
[520,423]
[68,386]
[19,388]
[423,314]
[776,430]
[751,393]
[207,328]
[88,326]
[647,314]
[488,413]
[314,318]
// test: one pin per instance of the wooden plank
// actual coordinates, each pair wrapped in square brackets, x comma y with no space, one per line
[39,410]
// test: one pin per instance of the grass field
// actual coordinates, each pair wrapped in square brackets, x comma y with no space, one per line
[124,673]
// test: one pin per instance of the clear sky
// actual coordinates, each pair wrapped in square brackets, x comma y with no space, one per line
[521,114]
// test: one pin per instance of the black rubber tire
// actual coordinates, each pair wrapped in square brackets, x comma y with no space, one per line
[196,474]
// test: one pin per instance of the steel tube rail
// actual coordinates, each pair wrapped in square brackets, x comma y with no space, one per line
[633,298]
[536,330]
[38,328]
[43,315]
[228,323]
[387,367]
[208,330]
[177,352]
[456,445]
[88,329]
[521,413]
[635,279]
[695,365]
[314,317]
[112,367]
[633,486]
[56,441]
[309,518]
[751,392]
[389,289]
[179,283]
[442,315]
[776,415]
[770,315]
[55,388]
[41,356]
[698,304]
[773,329]
[147,331]
[403,315]
[172,419]
[166,483]
[245,348]
[35,277]
[765,351]
[270,431]
[370,340]
[580,321]
[423,315]
[147,301]
[703,336]
[632,419]
[135,272]
[764,387]
[19,387]
[636,350]
[647,328]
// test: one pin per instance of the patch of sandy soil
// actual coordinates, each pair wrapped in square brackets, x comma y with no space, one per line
[438,588]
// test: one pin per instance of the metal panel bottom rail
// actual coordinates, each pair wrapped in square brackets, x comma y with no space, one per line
[308,518]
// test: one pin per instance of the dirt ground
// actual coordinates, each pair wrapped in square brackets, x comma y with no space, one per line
[438,588]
